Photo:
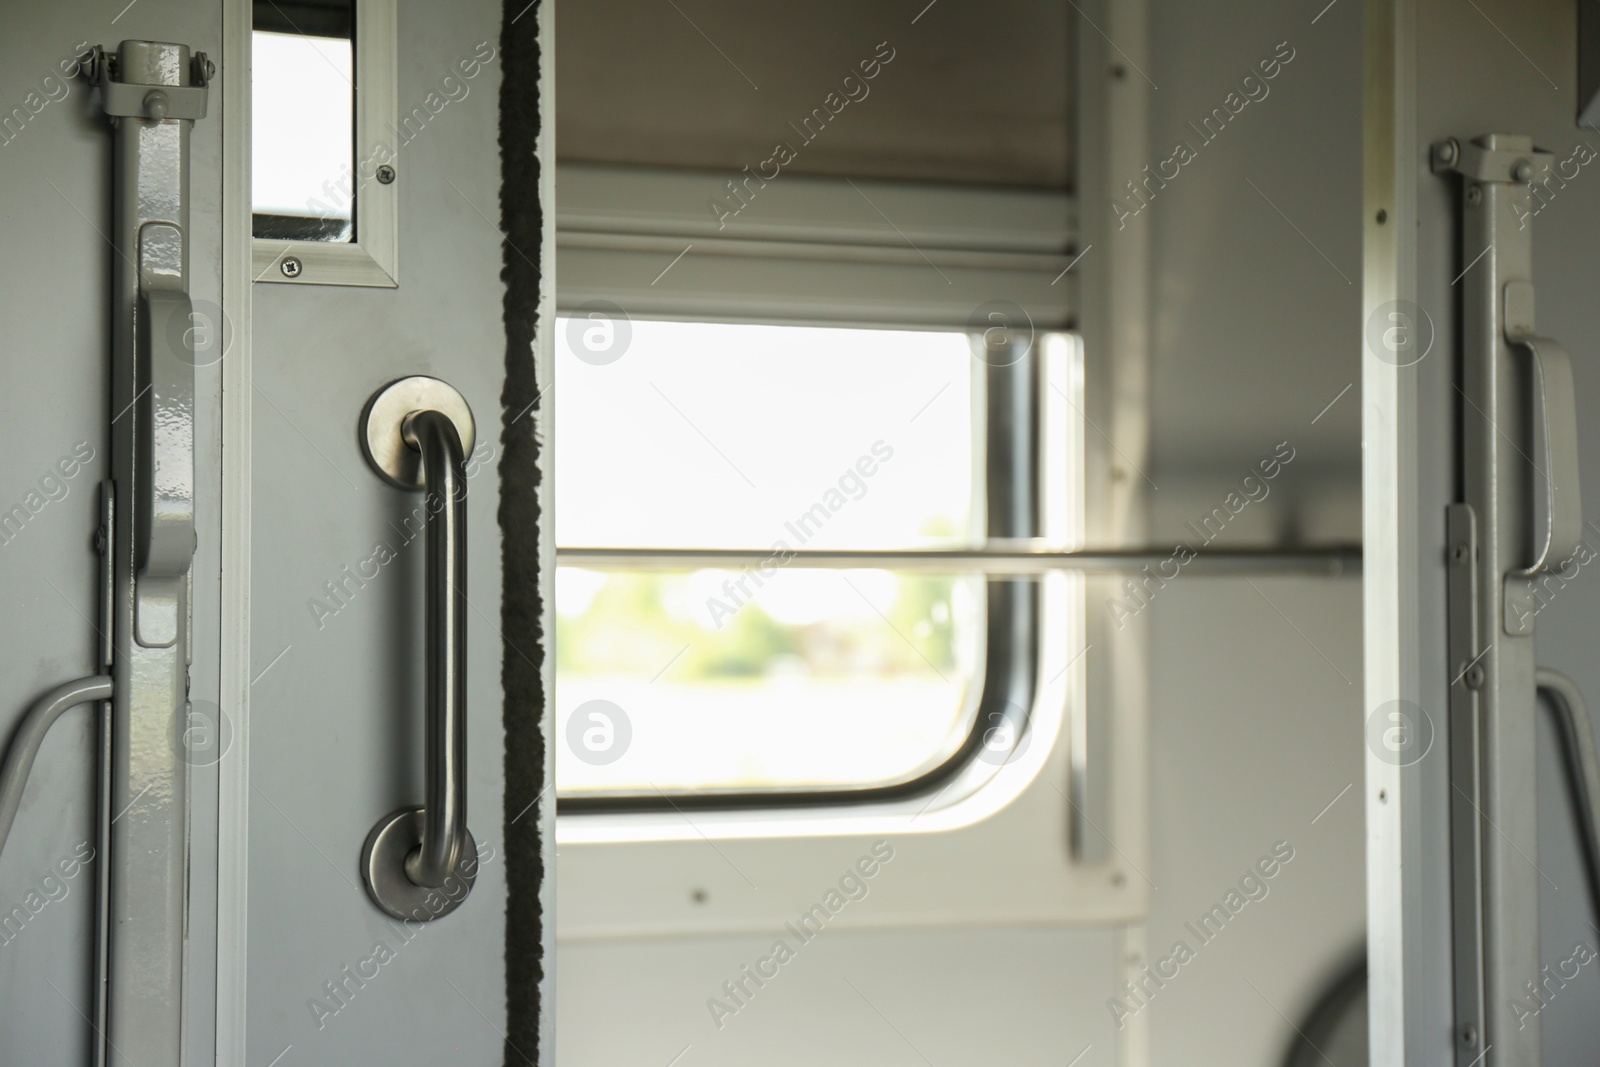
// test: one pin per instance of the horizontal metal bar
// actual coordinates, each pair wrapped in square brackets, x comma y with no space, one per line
[1332,561]
[819,251]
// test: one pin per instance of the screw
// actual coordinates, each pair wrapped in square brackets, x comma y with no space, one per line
[1522,170]
[1474,677]
[1448,151]
[1469,1035]
[290,267]
[385,174]
[1463,552]
[1474,195]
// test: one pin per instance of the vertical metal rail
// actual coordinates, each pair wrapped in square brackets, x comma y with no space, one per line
[419,863]
[1467,823]
[444,826]
[1520,517]
[1013,373]
[152,93]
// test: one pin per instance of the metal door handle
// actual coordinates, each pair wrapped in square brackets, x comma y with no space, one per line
[164,536]
[419,862]
[1558,503]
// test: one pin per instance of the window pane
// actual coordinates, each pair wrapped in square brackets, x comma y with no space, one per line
[303,123]
[716,435]
[821,679]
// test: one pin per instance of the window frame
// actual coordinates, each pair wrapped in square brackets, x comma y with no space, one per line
[372,259]
[1001,233]
[1018,850]
[811,251]
[1013,380]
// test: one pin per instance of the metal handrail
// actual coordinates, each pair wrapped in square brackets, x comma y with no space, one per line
[1576,734]
[36,722]
[419,862]
[1027,558]
[444,822]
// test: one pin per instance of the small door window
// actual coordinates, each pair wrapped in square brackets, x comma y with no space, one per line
[303,149]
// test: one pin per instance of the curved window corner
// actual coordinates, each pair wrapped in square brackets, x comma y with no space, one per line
[807,383]
[749,684]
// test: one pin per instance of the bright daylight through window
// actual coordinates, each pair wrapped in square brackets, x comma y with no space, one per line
[762,677]
[303,129]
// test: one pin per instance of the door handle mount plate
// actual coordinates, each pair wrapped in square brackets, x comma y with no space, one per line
[383,426]
[383,867]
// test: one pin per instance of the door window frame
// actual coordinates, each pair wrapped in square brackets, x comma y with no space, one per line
[373,258]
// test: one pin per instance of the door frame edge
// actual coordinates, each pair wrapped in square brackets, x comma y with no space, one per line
[234,773]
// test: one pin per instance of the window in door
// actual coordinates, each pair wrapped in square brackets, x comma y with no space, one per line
[302,62]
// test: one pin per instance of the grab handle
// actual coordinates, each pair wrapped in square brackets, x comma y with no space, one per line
[1558,523]
[419,862]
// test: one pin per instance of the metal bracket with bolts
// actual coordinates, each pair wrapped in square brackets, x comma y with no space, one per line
[157,103]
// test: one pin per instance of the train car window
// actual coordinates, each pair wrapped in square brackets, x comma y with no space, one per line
[804,377]
[760,676]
